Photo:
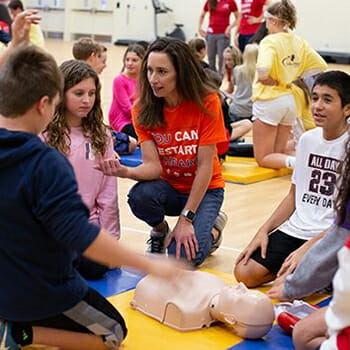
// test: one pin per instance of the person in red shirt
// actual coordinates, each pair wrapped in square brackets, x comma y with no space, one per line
[179,121]
[219,28]
[252,16]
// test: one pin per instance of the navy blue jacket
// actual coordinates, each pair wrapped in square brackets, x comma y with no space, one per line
[43,227]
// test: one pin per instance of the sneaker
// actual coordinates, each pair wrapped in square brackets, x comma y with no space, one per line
[219,224]
[156,242]
[6,340]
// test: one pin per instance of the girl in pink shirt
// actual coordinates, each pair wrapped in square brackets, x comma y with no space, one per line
[77,130]
[124,91]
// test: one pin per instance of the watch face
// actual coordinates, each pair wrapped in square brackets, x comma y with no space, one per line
[190,215]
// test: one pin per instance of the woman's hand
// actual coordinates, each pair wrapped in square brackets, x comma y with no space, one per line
[228,31]
[260,240]
[268,81]
[184,234]
[202,32]
[112,167]
[253,20]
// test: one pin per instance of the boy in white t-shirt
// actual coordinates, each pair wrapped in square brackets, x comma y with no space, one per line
[307,210]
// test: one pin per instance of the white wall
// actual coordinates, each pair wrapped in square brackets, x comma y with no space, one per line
[324,23]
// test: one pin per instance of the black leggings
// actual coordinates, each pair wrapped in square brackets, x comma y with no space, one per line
[129,130]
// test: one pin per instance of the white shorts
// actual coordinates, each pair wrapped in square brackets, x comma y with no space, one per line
[280,110]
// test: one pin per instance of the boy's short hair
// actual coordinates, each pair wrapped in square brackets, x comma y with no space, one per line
[28,75]
[336,80]
[85,47]
[15,5]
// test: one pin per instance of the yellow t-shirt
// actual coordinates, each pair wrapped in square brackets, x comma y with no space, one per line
[287,57]
[36,36]
[303,110]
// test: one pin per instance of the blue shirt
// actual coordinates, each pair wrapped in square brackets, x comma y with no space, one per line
[43,228]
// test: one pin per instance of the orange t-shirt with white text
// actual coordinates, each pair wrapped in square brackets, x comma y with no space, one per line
[187,127]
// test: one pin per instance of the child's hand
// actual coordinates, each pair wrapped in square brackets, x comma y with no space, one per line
[276,292]
[112,167]
[166,267]
[21,26]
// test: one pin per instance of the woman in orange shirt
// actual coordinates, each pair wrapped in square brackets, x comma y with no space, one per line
[179,121]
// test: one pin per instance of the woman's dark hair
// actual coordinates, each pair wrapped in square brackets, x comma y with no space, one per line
[191,81]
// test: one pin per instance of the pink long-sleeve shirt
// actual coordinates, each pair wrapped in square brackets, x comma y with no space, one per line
[98,191]
[124,96]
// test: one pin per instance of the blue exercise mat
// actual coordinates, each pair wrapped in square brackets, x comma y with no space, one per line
[132,160]
[116,282]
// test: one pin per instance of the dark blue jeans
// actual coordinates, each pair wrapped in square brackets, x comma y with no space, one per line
[243,40]
[150,201]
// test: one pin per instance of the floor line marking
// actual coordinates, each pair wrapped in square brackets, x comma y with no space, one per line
[147,233]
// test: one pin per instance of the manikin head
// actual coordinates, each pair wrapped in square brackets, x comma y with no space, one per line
[249,313]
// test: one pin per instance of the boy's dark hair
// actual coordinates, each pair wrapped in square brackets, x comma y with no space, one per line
[85,47]
[15,5]
[28,75]
[336,80]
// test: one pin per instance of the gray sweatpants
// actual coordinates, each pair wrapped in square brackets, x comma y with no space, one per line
[216,44]
[318,266]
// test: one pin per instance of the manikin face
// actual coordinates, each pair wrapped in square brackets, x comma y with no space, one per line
[79,101]
[162,77]
[249,313]
[132,64]
[327,109]
[228,60]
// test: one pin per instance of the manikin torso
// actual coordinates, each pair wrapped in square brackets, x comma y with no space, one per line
[197,299]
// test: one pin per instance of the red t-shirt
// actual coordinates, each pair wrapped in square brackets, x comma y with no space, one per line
[220,18]
[250,8]
[187,128]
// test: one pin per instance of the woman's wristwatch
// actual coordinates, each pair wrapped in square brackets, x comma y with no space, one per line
[189,215]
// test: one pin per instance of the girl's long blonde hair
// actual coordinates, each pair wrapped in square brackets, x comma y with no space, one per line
[250,56]
[57,132]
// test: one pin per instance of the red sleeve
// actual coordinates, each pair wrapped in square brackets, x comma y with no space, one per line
[234,7]
[142,133]
[343,339]
[212,128]
[206,7]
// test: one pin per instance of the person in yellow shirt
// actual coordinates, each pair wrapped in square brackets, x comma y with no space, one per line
[283,57]
[36,36]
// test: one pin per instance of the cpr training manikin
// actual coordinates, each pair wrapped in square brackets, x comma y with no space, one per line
[197,299]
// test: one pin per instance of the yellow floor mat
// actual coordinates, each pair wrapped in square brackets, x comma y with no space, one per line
[246,170]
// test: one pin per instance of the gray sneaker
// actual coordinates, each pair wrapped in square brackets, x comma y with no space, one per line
[219,224]
[156,242]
